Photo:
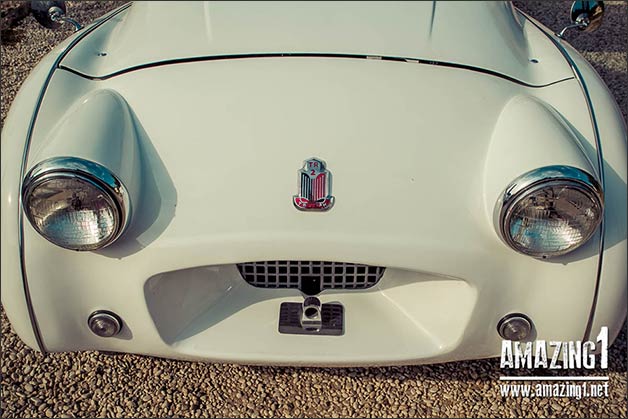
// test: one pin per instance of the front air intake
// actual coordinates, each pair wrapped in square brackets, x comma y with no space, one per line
[311,277]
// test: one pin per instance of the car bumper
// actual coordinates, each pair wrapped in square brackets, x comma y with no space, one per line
[174,306]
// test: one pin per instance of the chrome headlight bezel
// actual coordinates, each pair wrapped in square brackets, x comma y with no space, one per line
[536,179]
[86,171]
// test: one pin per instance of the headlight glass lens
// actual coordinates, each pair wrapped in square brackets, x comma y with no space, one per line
[552,217]
[75,203]
[72,212]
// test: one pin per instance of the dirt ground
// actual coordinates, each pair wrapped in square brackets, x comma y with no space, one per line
[93,384]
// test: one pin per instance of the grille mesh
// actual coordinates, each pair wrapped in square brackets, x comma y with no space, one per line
[290,274]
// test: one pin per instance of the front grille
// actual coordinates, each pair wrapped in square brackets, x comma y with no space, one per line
[301,274]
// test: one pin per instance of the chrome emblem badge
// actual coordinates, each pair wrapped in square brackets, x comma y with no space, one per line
[314,187]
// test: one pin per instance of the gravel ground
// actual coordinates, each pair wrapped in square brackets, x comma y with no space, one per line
[94,384]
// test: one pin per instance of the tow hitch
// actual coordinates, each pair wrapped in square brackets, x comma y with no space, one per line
[311,318]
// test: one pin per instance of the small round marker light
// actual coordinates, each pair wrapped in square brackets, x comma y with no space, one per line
[104,324]
[515,326]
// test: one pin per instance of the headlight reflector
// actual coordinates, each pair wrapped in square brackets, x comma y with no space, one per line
[75,203]
[550,211]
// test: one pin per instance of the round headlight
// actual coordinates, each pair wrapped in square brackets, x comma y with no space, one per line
[550,211]
[74,203]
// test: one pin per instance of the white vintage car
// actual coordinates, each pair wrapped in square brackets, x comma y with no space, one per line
[313,184]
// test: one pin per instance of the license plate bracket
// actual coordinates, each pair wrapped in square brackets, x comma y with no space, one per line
[332,320]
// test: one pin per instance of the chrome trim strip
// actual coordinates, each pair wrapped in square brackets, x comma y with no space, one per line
[97,175]
[600,163]
[27,144]
[412,60]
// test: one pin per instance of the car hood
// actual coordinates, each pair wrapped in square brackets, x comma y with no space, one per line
[491,36]
[221,144]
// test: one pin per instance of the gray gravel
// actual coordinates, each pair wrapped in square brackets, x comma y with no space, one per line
[96,384]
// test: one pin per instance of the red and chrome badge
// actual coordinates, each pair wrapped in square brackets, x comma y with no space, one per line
[314,187]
